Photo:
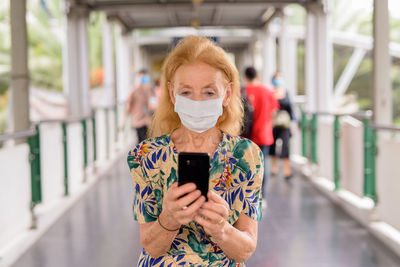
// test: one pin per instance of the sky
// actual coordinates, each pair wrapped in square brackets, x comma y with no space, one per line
[394,6]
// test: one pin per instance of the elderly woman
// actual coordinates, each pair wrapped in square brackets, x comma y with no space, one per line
[199,111]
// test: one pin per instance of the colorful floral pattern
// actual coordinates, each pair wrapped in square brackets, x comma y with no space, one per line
[236,171]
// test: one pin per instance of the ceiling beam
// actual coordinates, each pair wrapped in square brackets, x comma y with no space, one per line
[217,15]
[182,7]
[172,16]
[109,3]
[126,27]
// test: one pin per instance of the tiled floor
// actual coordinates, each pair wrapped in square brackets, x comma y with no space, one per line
[300,228]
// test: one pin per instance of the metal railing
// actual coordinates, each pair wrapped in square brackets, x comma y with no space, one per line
[33,140]
[309,146]
[64,126]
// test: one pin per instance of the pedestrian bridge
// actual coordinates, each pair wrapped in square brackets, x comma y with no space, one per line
[65,190]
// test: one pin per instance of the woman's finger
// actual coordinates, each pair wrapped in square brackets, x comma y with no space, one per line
[192,208]
[179,191]
[203,222]
[217,198]
[220,209]
[187,199]
[211,216]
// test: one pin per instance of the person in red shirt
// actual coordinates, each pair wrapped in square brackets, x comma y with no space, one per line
[264,103]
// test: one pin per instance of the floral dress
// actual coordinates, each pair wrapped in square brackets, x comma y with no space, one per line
[236,171]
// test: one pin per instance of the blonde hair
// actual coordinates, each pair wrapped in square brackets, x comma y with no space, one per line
[189,50]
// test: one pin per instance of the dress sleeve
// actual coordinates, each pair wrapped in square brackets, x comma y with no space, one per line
[252,205]
[145,207]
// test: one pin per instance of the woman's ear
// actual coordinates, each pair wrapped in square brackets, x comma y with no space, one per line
[228,93]
[171,92]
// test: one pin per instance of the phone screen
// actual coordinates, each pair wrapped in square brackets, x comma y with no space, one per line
[194,167]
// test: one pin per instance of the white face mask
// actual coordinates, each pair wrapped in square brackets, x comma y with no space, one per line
[198,116]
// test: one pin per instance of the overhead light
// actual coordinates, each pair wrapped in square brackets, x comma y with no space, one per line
[197,2]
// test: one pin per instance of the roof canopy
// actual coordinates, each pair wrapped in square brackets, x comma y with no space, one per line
[134,14]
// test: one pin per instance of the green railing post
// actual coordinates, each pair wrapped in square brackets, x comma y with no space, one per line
[314,138]
[336,166]
[94,140]
[369,160]
[303,134]
[36,183]
[34,160]
[64,139]
[85,152]
[107,134]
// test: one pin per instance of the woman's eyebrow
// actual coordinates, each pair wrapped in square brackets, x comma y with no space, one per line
[183,85]
[213,85]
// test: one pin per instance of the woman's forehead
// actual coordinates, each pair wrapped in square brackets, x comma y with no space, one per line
[198,73]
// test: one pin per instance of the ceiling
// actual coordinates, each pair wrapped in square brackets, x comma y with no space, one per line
[142,14]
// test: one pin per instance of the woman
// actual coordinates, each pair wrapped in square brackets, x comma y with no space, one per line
[200,111]
[281,129]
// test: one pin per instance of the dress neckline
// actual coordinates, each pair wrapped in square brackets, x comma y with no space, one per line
[219,147]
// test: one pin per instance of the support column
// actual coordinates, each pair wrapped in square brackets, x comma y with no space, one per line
[19,67]
[283,47]
[137,59]
[248,57]
[319,53]
[123,66]
[383,107]
[291,68]
[76,62]
[239,61]
[324,63]
[268,54]
[108,62]
[288,57]
[310,63]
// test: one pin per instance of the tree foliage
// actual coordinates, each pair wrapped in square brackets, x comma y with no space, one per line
[45,35]
[5,42]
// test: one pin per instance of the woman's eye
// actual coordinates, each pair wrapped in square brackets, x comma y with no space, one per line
[184,93]
[210,93]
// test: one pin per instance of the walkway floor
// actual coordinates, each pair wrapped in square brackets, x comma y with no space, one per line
[300,228]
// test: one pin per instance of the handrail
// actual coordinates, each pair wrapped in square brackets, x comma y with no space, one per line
[33,140]
[362,114]
[119,103]
[309,134]
[17,135]
[65,120]
[385,127]
[79,118]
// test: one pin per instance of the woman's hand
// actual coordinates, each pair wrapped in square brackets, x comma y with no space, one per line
[215,212]
[181,205]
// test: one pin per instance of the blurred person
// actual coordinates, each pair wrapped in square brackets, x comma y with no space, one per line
[264,102]
[248,111]
[281,130]
[200,110]
[154,96]
[137,106]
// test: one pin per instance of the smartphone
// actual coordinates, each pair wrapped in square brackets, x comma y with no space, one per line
[194,167]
